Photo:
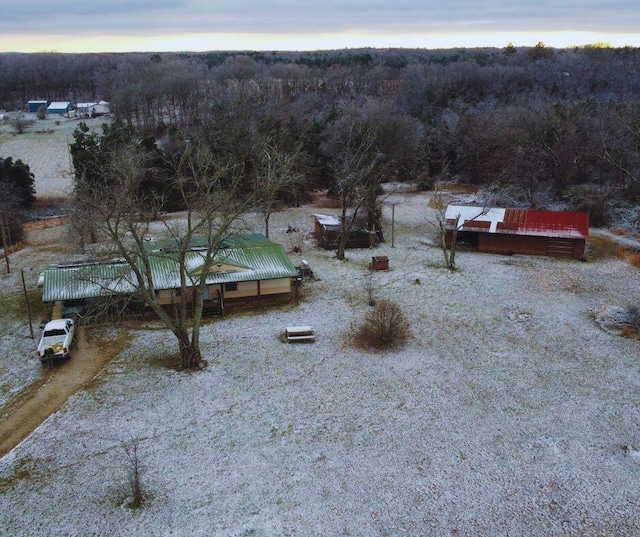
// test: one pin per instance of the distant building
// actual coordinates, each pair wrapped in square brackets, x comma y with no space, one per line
[34,106]
[60,107]
[519,231]
[93,109]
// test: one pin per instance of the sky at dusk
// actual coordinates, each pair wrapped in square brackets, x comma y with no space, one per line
[207,25]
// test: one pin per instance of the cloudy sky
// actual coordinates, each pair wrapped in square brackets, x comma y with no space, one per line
[199,25]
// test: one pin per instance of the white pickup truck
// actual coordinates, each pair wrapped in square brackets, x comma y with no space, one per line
[56,340]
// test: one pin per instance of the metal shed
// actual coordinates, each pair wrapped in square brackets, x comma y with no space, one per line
[34,106]
[59,107]
[519,231]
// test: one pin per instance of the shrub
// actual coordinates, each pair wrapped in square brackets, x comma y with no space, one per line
[384,327]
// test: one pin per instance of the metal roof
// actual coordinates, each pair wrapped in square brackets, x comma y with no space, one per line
[77,281]
[246,258]
[328,220]
[562,224]
[60,104]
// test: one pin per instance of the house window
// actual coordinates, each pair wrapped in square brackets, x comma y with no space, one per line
[233,286]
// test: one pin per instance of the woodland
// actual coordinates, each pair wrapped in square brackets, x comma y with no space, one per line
[530,127]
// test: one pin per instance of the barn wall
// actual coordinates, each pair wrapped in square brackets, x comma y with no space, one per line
[512,244]
[530,245]
[579,246]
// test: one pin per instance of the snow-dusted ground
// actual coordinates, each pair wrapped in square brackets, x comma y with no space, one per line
[510,412]
[44,147]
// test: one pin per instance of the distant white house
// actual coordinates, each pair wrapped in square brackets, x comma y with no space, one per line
[93,109]
[60,107]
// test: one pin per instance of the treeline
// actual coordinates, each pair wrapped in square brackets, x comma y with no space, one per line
[537,126]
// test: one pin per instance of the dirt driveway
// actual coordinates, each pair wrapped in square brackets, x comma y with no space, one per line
[35,404]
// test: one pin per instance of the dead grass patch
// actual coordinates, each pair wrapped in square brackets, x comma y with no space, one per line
[459,188]
[437,203]
[22,471]
[36,225]
[601,247]
[323,200]
[629,332]
[630,256]
[619,232]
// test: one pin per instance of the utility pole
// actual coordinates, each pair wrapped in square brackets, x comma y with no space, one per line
[393,225]
[5,247]
[26,301]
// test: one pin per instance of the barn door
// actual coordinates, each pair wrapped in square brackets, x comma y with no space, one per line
[560,247]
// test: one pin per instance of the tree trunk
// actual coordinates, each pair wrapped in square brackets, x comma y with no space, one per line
[452,254]
[454,244]
[344,233]
[190,356]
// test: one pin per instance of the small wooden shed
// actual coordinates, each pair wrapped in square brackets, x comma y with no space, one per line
[519,231]
[327,230]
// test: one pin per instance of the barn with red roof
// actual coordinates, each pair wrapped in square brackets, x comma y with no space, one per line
[519,231]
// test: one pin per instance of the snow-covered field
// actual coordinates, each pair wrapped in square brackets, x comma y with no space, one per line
[510,412]
[44,148]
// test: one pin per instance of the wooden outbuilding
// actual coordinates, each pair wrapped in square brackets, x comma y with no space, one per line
[327,230]
[519,231]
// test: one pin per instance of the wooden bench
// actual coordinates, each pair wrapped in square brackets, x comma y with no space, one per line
[300,333]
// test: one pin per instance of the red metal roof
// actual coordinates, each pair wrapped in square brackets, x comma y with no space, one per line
[555,223]
[562,224]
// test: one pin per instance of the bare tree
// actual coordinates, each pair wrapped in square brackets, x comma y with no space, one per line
[275,173]
[355,165]
[212,211]
[449,227]
[20,124]
[134,471]
[352,169]
[620,147]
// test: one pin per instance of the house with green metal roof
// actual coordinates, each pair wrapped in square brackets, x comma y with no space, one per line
[245,269]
